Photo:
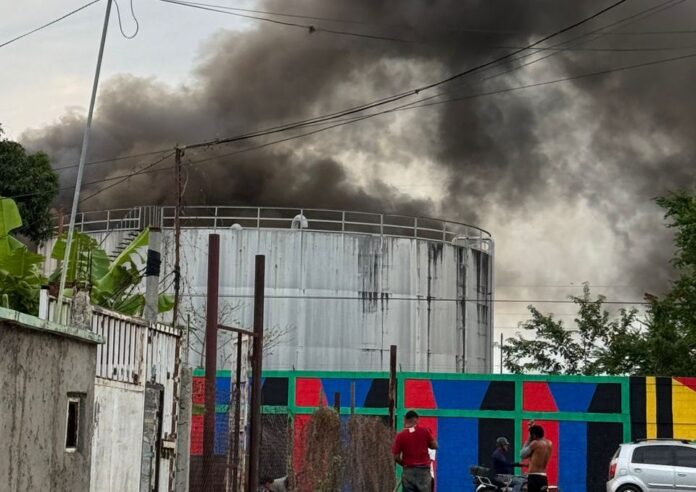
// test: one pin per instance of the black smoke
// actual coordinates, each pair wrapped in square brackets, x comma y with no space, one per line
[607,144]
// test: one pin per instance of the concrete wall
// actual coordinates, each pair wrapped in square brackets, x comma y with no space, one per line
[38,368]
[118,434]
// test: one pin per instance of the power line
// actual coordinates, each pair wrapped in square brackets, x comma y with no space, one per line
[72,12]
[413,105]
[397,97]
[120,25]
[125,178]
[401,108]
[114,159]
[223,9]
[307,27]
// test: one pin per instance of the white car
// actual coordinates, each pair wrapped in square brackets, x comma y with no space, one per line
[653,465]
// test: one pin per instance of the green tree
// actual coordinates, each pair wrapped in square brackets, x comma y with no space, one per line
[597,344]
[20,272]
[32,182]
[662,342]
[671,321]
[113,284]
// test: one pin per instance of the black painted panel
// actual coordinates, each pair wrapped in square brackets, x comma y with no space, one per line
[499,396]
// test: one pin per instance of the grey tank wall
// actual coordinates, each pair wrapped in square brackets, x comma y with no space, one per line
[338,301]
[37,371]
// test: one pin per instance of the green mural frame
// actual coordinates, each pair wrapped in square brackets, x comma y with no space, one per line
[519,415]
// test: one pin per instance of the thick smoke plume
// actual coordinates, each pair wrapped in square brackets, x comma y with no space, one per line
[591,152]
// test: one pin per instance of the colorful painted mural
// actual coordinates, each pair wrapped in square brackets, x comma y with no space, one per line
[585,417]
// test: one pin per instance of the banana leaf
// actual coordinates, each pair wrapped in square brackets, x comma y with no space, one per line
[165,303]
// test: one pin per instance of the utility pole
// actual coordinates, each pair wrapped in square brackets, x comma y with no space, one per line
[256,370]
[81,166]
[211,328]
[177,235]
[176,400]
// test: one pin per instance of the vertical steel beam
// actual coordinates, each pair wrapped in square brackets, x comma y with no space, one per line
[392,386]
[237,416]
[211,359]
[256,371]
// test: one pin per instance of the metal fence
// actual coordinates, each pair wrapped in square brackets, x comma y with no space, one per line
[325,220]
[132,347]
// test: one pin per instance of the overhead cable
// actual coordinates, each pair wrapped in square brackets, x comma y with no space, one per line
[120,25]
[72,12]
[413,105]
[411,92]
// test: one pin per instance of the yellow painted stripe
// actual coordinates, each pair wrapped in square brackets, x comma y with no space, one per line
[651,407]
[683,411]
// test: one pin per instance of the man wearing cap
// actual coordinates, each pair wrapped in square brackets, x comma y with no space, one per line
[410,450]
[503,466]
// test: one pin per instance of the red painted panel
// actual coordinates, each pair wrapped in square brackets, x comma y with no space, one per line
[308,392]
[197,435]
[688,382]
[538,398]
[551,432]
[199,390]
[419,394]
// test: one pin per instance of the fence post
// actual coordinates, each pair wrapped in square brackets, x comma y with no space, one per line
[392,386]
[256,371]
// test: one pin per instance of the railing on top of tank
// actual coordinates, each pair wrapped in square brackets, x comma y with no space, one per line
[280,218]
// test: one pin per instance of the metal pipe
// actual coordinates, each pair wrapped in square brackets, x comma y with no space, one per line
[337,402]
[211,359]
[81,165]
[237,416]
[256,371]
[392,386]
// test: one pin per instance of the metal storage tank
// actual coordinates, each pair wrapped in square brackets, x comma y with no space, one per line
[341,286]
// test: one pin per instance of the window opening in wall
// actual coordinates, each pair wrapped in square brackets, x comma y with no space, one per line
[72,433]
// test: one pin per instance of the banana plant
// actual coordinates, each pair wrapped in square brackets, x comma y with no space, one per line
[20,271]
[112,283]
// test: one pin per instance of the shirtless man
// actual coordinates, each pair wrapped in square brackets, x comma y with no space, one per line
[538,450]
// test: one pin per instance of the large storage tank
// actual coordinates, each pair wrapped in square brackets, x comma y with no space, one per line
[341,287]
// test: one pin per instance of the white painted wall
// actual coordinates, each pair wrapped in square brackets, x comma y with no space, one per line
[118,436]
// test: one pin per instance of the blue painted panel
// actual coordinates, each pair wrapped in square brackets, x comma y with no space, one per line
[460,395]
[572,397]
[222,390]
[572,458]
[458,439]
[332,386]
[222,438]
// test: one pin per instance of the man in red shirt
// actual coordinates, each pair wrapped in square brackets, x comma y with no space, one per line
[410,450]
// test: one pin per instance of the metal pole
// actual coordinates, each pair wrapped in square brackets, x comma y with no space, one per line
[237,416]
[352,398]
[501,353]
[81,166]
[177,235]
[337,402]
[256,371]
[392,386]
[211,360]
